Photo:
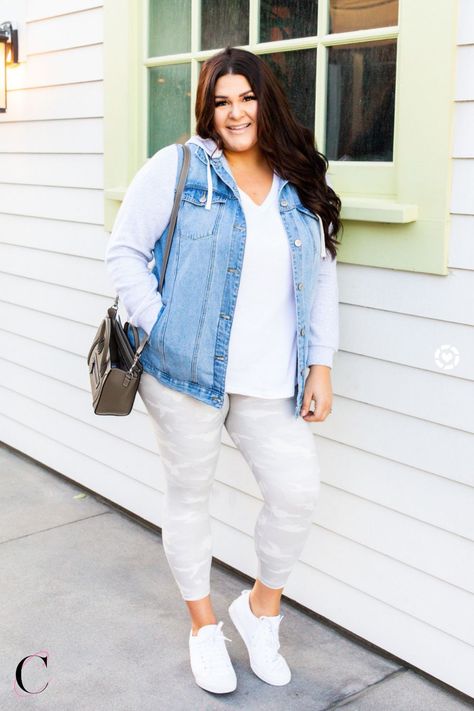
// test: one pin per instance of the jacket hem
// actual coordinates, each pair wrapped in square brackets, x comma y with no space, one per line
[209,396]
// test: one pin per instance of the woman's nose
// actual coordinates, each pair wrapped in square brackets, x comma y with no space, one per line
[235,111]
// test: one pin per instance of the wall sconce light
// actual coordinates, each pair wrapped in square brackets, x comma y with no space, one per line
[8,55]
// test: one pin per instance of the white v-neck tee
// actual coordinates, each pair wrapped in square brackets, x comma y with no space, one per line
[262,345]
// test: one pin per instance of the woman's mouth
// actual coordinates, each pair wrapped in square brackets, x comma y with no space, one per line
[237,129]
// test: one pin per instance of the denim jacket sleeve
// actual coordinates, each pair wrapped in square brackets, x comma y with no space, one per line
[140,221]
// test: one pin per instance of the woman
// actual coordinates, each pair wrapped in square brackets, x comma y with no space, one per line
[249,302]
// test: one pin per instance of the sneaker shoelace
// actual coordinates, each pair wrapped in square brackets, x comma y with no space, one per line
[268,635]
[213,659]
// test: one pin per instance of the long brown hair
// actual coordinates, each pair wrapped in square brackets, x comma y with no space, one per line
[289,147]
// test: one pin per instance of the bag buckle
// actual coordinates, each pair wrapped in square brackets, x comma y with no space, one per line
[134,362]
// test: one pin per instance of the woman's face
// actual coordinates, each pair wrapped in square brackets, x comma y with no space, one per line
[235,106]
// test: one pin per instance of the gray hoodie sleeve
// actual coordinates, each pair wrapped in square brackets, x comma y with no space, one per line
[324,320]
[143,215]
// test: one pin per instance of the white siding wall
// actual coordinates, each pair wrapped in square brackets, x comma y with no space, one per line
[391,553]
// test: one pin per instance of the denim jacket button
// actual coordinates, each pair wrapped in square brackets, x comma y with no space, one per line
[298,242]
[202,198]
[283,203]
[302,332]
[300,285]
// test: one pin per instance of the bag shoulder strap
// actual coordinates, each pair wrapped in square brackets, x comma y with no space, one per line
[174,214]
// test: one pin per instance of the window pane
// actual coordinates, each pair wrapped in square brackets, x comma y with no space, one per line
[169,27]
[296,72]
[361,101]
[287,19]
[348,15]
[169,108]
[225,22]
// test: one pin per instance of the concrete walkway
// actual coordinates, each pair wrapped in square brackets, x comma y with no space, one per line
[91,588]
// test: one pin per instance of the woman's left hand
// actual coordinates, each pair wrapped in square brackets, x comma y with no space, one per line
[318,388]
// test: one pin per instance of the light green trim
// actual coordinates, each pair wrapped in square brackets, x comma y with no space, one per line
[117,194]
[367,210]
[124,89]
[395,214]
[254,21]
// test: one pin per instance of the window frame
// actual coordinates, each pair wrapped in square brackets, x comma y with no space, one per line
[395,214]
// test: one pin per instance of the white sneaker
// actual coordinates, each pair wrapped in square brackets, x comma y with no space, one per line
[260,635]
[210,661]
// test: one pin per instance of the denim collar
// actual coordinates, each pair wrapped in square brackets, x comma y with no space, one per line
[209,151]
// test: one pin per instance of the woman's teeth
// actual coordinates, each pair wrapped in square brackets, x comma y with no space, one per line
[238,128]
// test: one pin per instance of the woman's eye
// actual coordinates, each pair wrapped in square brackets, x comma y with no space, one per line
[220,103]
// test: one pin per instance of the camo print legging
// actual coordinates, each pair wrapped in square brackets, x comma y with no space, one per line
[281,452]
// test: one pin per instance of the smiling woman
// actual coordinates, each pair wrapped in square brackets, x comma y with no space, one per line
[249,303]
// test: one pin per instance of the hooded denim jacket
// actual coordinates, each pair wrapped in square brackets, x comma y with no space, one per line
[188,343]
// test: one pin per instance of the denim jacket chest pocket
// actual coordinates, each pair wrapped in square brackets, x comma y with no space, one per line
[194,220]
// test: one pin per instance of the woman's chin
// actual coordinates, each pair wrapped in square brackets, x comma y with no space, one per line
[239,143]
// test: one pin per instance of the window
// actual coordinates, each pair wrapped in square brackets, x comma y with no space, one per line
[373,78]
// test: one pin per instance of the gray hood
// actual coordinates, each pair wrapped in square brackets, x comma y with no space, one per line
[210,148]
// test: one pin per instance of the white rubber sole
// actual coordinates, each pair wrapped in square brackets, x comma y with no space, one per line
[207,687]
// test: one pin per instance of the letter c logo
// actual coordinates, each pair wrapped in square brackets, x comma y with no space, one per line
[19,670]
